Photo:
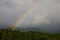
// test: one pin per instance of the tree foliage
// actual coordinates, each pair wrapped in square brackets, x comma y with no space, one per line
[19,35]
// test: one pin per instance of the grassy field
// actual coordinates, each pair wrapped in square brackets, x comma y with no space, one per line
[18,35]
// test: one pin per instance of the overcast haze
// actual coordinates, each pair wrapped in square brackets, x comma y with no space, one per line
[45,14]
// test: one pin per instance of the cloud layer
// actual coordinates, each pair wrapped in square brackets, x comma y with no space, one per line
[44,15]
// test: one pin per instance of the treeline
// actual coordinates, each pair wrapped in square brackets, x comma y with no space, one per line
[18,35]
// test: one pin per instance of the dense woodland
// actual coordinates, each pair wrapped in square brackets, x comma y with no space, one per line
[19,35]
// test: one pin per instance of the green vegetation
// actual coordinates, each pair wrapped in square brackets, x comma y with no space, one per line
[18,35]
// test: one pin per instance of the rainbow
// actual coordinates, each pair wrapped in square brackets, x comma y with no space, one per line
[21,18]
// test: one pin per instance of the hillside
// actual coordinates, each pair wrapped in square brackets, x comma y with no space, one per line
[19,35]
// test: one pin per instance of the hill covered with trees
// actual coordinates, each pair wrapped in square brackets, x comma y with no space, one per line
[19,35]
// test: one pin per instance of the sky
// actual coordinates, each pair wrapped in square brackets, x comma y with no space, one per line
[45,14]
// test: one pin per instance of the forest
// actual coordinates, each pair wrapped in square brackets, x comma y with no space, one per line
[30,35]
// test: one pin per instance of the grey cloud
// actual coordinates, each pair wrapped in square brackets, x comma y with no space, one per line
[9,11]
[45,14]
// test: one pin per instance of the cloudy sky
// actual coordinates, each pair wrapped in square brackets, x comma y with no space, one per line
[45,14]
